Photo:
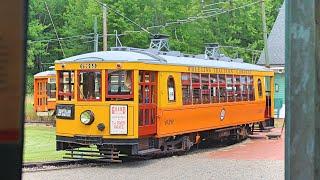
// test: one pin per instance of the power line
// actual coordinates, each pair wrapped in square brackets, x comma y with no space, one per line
[54,28]
[200,16]
[117,12]
[77,37]
[213,4]
[62,39]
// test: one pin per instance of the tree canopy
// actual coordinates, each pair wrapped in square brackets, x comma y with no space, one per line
[234,23]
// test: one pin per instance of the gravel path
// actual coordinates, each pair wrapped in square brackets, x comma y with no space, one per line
[191,166]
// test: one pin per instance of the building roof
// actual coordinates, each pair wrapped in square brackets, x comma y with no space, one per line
[276,42]
[147,57]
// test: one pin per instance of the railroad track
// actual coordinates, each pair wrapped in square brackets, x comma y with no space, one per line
[65,164]
[61,164]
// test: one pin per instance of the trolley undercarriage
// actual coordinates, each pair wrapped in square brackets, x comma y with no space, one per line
[109,150]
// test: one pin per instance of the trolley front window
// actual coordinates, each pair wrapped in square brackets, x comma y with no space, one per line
[66,85]
[120,85]
[89,85]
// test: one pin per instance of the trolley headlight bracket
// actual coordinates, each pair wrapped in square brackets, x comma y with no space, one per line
[87,117]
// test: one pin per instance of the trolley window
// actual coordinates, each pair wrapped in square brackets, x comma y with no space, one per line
[196,91]
[186,88]
[230,88]
[250,88]
[51,88]
[222,88]
[244,88]
[237,88]
[120,85]
[259,87]
[205,92]
[171,89]
[214,88]
[89,85]
[66,85]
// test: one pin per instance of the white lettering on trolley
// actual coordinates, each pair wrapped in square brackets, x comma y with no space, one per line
[118,119]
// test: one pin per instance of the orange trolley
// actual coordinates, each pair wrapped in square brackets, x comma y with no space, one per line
[45,93]
[140,102]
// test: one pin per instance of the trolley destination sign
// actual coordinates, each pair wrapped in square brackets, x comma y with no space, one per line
[197,69]
[118,119]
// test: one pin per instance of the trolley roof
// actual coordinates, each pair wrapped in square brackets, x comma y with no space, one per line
[45,73]
[147,57]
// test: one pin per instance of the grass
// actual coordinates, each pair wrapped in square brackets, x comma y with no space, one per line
[29,112]
[39,144]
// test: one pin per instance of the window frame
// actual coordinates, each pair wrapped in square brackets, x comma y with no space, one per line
[223,85]
[58,85]
[250,82]
[174,89]
[78,84]
[230,94]
[237,84]
[50,90]
[215,84]
[129,97]
[260,89]
[202,84]
[196,86]
[188,85]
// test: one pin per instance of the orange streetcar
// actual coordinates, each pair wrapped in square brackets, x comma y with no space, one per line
[140,102]
[44,93]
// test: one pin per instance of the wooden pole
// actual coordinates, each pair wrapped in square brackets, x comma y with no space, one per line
[105,27]
[96,36]
[302,152]
[265,34]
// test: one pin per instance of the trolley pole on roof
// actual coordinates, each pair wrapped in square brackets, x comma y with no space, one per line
[105,27]
[265,34]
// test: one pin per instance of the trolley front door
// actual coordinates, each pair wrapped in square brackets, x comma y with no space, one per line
[40,94]
[147,103]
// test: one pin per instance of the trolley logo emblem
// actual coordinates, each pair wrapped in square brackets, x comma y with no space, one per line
[222,114]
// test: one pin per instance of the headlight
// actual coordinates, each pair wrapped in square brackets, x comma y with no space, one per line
[87,117]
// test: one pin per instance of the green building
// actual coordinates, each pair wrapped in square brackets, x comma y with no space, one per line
[276,47]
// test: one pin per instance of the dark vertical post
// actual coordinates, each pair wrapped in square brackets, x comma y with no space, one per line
[13,38]
[302,89]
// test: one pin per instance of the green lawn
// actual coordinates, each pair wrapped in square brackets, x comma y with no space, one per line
[40,144]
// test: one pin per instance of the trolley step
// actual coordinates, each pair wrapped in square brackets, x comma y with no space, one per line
[105,155]
[148,151]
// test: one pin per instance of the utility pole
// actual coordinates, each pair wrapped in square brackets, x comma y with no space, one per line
[265,34]
[105,27]
[302,155]
[96,35]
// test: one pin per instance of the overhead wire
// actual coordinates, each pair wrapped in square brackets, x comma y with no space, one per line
[54,29]
[120,14]
[200,16]
[77,37]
